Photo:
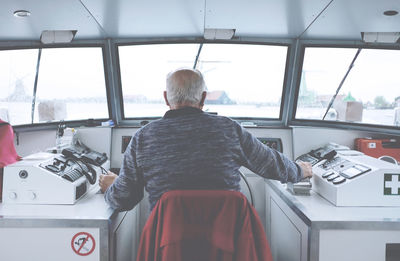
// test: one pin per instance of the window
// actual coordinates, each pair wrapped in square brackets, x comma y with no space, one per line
[143,72]
[370,94]
[243,80]
[17,79]
[70,85]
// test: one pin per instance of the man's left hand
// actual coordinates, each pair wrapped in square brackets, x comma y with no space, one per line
[106,180]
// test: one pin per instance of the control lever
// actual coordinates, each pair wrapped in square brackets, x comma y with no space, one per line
[70,153]
[302,187]
[94,158]
[328,156]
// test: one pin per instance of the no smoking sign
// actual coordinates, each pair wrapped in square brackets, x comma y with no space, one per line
[83,243]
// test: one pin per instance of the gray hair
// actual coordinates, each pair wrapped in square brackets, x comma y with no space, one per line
[185,86]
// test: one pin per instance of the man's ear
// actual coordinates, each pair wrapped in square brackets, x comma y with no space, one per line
[203,98]
[165,98]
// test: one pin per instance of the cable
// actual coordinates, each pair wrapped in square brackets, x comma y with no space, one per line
[103,170]
[74,161]
[248,186]
[91,178]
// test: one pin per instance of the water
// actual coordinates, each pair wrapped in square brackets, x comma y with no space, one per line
[20,112]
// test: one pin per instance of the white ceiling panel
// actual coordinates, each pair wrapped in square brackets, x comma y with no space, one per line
[345,19]
[46,15]
[99,19]
[268,18]
[148,18]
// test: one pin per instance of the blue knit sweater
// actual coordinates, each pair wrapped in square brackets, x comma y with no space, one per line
[191,149]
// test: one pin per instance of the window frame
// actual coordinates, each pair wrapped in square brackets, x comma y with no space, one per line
[23,45]
[251,121]
[384,129]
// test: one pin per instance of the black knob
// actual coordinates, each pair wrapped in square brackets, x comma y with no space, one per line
[23,174]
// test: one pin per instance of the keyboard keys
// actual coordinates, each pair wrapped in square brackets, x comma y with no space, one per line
[338,180]
[332,177]
[327,174]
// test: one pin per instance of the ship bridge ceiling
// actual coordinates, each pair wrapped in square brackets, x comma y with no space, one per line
[100,19]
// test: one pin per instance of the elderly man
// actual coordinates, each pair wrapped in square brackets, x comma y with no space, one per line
[190,149]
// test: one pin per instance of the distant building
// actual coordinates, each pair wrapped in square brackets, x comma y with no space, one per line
[218,97]
[19,93]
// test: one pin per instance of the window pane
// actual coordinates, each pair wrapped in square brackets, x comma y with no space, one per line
[369,95]
[17,77]
[242,80]
[71,85]
[143,72]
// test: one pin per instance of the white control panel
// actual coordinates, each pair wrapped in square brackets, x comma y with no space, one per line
[41,179]
[357,181]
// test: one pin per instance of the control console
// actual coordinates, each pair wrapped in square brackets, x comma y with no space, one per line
[357,181]
[45,178]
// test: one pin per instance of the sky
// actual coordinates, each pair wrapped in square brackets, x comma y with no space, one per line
[375,72]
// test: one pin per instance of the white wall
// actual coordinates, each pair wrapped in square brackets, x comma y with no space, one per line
[35,141]
[96,138]
[116,153]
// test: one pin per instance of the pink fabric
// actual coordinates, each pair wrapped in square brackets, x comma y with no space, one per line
[8,154]
[198,225]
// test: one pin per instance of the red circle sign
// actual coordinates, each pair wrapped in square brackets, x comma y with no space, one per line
[83,244]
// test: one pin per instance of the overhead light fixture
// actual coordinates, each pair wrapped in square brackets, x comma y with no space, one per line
[380,37]
[22,13]
[57,36]
[218,34]
[390,12]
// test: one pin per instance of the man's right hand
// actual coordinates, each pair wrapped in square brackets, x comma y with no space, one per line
[306,167]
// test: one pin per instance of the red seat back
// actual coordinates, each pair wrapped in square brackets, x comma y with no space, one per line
[203,225]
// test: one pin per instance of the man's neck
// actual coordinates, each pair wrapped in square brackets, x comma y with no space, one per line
[185,105]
